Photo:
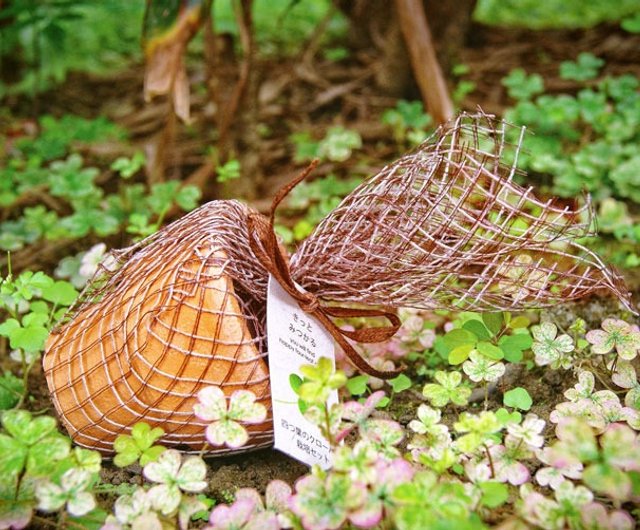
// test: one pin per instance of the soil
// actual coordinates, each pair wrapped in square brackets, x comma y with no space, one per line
[314,96]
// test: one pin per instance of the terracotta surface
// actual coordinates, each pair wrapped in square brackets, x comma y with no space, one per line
[144,353]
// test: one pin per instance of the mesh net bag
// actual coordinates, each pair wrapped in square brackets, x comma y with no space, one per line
[443,227]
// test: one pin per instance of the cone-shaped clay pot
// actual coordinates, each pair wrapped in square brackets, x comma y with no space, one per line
[167,324]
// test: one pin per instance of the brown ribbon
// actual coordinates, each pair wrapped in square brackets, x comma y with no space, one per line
[264,244]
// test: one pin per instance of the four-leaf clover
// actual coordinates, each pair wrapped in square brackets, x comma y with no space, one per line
[550,348]
[447,389]
[481,368]
[225,427]
[615,335]
[71,491]
[174,476]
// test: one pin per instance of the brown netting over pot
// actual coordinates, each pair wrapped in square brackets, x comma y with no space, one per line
[443,227]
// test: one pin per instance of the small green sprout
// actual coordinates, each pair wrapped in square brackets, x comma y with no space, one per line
[447,389]
[138,445]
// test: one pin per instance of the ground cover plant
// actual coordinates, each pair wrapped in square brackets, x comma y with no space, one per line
[497,420]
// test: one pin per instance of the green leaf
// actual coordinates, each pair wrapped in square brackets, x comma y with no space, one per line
[521,341]
[313,392]
[459,337]
[514,345]
[125,459]
[30,339]
[94,520]
[522,86]
[631,24]
[229,171]
[13,456]
[519,322]
[162,196]
[127,450]
[9,327]
[494,494]
[44,456]
[605,478]
[127,167]
[151,454]
[20,425]
[513,355]
[586,67]
[460,354]
[144,435]
[493,321]
[60,293]
[518,398]
[357,385]
[478,329]
[505,417]
[188,197]
[400,383]
[295,381]
[125,444]
[490,351]
[634,476]
[11,389]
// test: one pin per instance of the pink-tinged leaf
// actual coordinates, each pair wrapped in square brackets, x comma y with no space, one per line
[599,341]
[250,494]
[625,375]
[16,515]
[615,325]
[165,469]
[621,447]
[354,413]
[621,520]
[234,516]
[391,474]
[263,521]
[227,432]
[212,404]
[242,407]
[594,515]
[385,432]
[369,515]
[277,495]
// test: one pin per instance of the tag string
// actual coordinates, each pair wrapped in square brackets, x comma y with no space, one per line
[264,244]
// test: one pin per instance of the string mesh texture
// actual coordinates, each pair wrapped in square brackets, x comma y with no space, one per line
[443,227]
[447,227]
[184,309]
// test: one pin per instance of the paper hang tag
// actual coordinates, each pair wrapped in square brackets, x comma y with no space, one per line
[295,338]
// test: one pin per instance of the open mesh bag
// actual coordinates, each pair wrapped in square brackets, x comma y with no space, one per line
[443,227]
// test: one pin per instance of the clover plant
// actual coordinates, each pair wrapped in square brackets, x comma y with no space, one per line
[138,446]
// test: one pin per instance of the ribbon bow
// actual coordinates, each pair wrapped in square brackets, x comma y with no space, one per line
[264,244]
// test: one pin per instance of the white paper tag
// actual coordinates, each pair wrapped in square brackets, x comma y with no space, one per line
[295,338]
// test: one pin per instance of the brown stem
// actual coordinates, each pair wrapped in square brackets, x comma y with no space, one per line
[489,457]
[244,18]
[424,62]
[210,50]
